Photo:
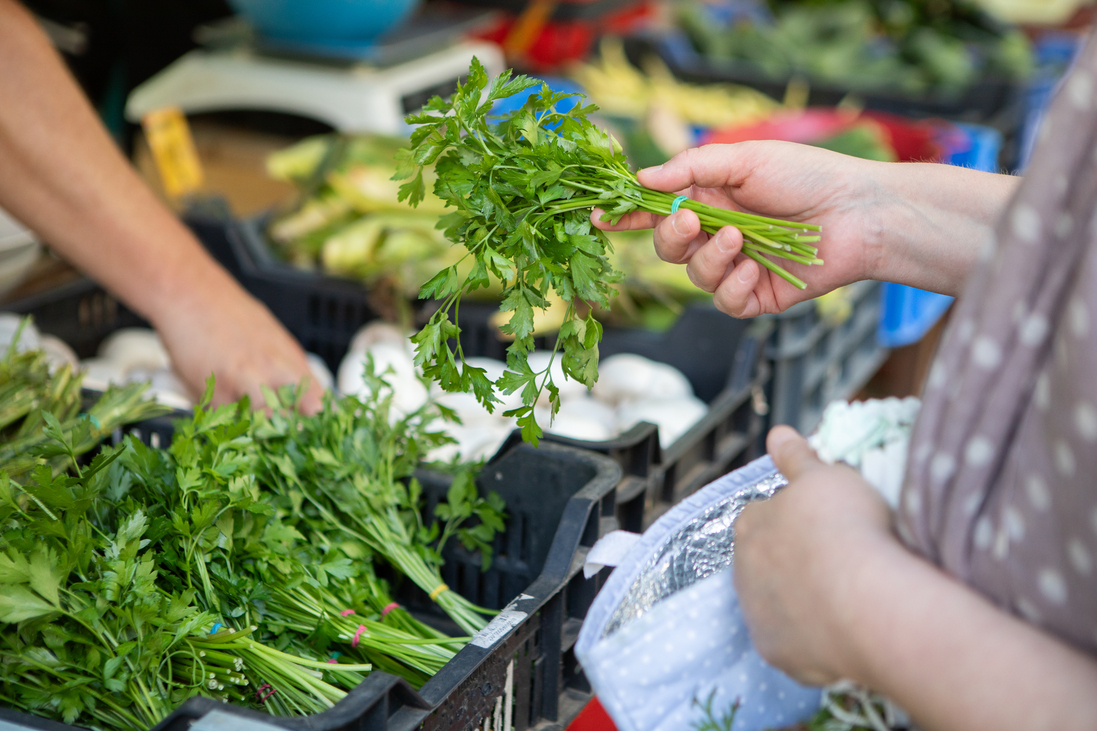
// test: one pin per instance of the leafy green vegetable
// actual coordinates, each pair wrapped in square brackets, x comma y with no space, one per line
[351,466]
[710,722]
[522,191]
[238,564]
[909,46]
[39,404]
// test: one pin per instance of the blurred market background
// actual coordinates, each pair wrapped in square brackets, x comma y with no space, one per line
[271,126]
[295,109]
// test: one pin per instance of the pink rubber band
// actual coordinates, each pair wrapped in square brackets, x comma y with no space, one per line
[333,661]
[357,633]
[388,609]
[346,612]
[259,693]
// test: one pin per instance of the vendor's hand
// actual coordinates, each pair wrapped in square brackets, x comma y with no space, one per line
[797,558]
[234,337]
[775,179]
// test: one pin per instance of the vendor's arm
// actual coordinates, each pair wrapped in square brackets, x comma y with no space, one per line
[61,175]
[911,223]
[830,593]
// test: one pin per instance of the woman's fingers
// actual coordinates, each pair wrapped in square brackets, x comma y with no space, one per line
[791,452]
[678,237]
[630,222]
[736,295]
[712,262]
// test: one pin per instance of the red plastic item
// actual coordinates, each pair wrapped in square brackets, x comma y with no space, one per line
[592,718]
[559,43]
[912,140]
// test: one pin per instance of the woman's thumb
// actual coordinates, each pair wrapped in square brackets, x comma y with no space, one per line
[711,166]
[790,452]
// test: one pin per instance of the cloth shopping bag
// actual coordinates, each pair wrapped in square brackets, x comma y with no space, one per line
[665,646]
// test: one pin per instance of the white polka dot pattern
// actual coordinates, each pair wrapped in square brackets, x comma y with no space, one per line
[979,452]
[1006,465]
[1053,587]
[1064,459]
[984,533]
[1026,224]
[1085,419]
[1034,330]
[1080,90]
[1042,395]
[1037,492]
[942,467]
[1079,319]
[1079,557]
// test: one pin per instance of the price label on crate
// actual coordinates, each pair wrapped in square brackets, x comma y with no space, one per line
[503,623]
[173,150]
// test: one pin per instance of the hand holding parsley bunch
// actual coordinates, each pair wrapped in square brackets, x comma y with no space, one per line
[522,187]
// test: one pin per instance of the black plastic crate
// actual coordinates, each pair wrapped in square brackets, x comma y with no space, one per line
[815,362]
[83,314]
[559,501]
[522,666]
[722,358]
[80,312]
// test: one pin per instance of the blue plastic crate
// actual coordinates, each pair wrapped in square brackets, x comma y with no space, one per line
[909,313]
[1055,54]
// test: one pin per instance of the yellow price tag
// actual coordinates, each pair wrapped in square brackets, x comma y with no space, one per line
[173,150]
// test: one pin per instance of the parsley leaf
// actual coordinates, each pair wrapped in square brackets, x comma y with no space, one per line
[522,186]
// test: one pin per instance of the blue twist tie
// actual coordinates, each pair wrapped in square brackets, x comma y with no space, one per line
[216,627]
[677,202]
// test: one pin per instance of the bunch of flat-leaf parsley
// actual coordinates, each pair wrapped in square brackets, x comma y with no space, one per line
[522,186]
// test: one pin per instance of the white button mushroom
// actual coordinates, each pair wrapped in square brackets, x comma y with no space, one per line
[135,347]
[673,416]
[627,377]
[320,372]
[393,363]
[588,409]
[569,388]
[100,373]
[58,353]
[376,332]
[169,390]
[9,325]
[473,443]
[576,427]
[494,370]
[469,410]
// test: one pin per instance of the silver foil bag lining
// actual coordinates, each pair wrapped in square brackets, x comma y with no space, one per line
[703,547]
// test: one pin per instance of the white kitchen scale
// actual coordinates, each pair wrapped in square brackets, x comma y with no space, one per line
[367,87]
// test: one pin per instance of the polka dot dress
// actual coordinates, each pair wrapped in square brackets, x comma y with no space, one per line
[1001,487]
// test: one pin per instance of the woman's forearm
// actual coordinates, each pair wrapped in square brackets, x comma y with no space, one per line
[928,221]
[955,661]
[62,176]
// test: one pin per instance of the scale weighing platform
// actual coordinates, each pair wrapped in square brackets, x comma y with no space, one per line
[367,87]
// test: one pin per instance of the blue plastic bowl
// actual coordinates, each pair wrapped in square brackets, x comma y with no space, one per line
[319,21]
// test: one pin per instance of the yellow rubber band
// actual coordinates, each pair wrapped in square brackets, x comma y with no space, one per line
[437,591]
